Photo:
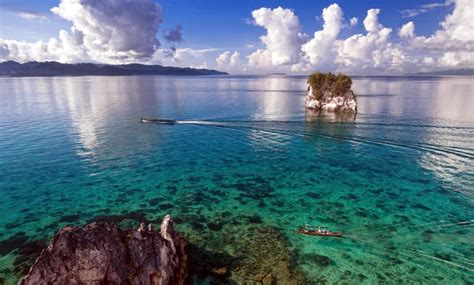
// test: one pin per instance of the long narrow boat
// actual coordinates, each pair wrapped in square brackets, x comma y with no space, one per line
[158,121]
[317,231]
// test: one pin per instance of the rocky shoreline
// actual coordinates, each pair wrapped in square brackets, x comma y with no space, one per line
[102,253]
[329,102]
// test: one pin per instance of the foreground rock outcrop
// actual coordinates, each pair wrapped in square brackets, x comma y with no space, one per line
[329,92]
[102,253]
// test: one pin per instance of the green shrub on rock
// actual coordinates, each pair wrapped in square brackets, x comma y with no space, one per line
[337,85]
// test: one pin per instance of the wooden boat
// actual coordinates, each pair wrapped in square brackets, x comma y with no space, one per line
[317,231]
[158,121]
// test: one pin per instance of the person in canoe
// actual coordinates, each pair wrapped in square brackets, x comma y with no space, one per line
[317,231]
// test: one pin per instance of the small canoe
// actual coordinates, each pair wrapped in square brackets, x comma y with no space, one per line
[158,121]
[319,231]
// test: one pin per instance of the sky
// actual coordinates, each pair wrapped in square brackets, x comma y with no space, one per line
[245,36]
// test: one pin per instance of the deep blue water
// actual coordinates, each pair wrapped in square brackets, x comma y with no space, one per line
[397,178]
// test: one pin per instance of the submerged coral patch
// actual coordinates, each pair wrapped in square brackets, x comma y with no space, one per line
[16,241]
[69,218]
[317,259]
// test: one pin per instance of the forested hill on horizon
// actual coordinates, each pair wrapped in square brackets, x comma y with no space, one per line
[52,68]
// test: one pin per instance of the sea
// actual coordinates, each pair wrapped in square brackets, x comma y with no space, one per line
[245,166]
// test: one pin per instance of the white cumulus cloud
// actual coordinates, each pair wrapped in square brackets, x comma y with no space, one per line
[235,59]
[119,31]
[114,30]
[228,62]
[108,31]
[457,29]
[319,48]
[223,59]
[369,51]
[282,41]
[407,30]
[453,44]
[354,21]
[184,57]
[66,48]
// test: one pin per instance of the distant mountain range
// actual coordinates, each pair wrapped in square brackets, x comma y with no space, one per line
[462,72]
[52,68]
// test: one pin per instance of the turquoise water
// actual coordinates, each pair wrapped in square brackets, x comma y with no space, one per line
[398,178]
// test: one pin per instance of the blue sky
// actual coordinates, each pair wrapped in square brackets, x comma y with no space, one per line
[213,27]
[220,23]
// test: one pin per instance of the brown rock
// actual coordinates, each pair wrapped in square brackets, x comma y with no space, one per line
[101,253]
[259,277]
[267,280]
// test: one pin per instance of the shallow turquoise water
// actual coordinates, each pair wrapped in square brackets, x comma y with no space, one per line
[398,178]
